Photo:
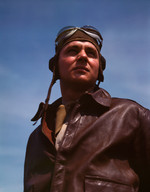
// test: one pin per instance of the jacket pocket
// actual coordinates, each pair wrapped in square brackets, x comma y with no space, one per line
[98,184]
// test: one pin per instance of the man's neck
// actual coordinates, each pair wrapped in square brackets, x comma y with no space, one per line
[71,94]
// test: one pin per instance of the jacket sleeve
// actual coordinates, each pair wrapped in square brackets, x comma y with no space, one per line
[142,150]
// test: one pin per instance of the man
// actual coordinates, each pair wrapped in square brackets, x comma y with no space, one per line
[87,141]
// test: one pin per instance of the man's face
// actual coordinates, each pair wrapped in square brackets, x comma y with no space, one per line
[79,64]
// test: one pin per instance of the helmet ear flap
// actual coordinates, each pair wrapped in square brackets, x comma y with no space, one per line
[53,66]
[101,69]
[103,63]
[52,63]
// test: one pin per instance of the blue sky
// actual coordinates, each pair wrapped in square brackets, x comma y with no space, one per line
[27,34]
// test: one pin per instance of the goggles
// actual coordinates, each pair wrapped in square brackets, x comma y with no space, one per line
[68,31]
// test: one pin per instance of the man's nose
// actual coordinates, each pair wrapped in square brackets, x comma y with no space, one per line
[82,55]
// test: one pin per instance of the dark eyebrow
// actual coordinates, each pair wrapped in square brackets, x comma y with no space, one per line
[74,47]
[91,49]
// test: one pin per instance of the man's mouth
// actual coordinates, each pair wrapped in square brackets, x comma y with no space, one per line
[82,68]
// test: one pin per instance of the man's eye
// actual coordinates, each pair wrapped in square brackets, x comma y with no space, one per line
[72,51]
[91,53]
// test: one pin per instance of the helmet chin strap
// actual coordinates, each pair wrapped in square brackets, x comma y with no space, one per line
[49,90]
[43,106]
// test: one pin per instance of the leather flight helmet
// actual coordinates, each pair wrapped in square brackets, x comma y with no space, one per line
[71,33]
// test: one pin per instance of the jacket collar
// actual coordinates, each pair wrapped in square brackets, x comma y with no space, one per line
[101,96]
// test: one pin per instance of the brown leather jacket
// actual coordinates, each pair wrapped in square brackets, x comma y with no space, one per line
[106,148]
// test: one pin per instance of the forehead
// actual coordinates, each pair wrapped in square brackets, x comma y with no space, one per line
[80,44]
